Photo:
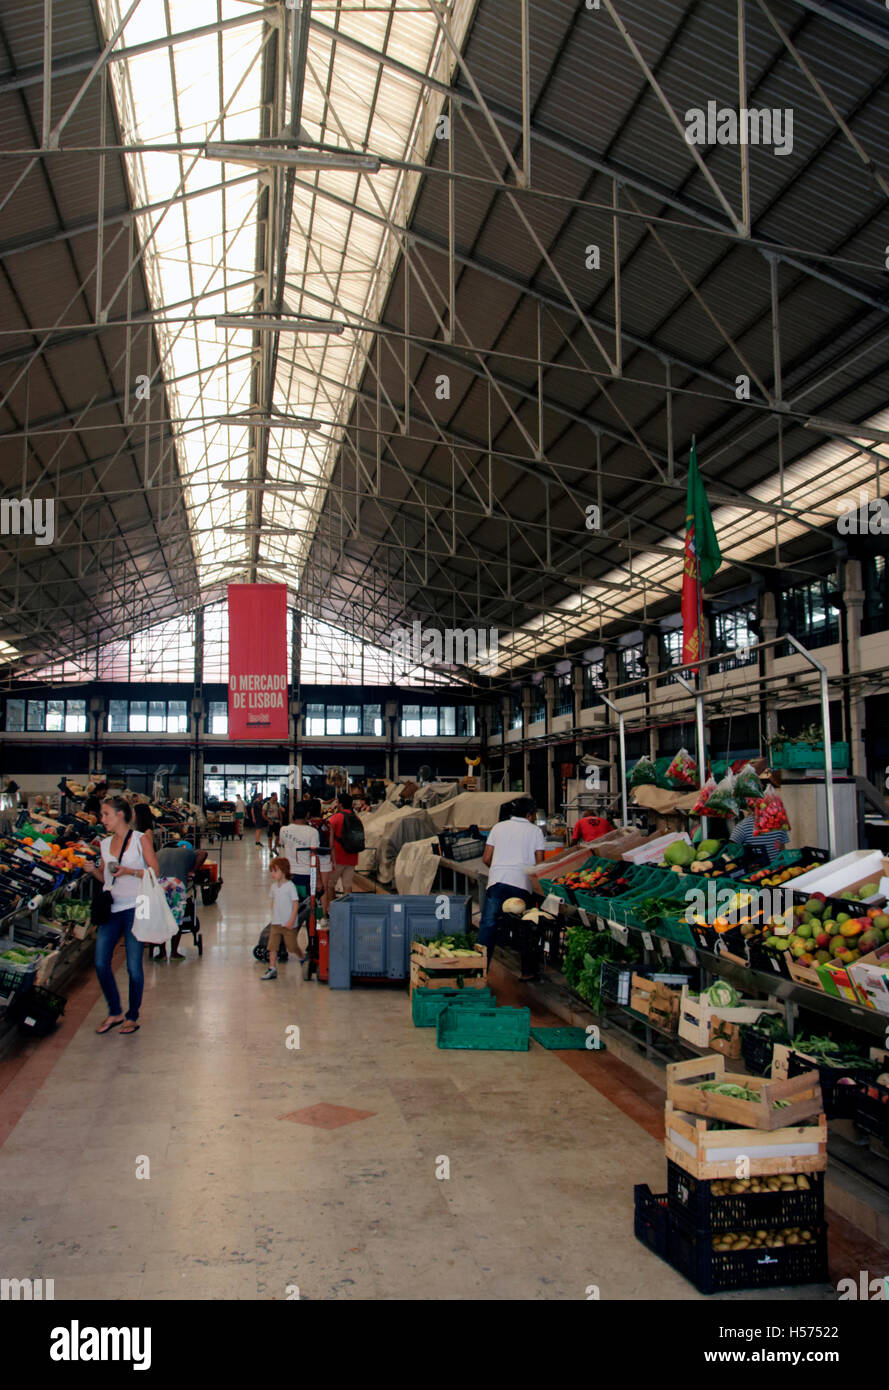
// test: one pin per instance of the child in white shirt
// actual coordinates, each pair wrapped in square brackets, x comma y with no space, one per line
[285,906]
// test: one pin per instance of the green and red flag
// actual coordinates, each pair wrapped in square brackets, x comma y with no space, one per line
[702,560]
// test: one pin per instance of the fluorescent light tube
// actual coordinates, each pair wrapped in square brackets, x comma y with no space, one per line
[261,156]
[847,431]
[279,325]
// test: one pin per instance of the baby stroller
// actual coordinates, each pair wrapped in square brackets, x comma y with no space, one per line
[261,949]
[192,922]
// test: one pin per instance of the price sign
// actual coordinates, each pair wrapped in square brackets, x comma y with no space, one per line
[584,917]
[621,934]
[690,955]
[600,925]
[648,941]
[664,947]
[775,965]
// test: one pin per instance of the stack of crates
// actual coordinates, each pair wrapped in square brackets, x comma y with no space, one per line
[469,1020]
[744,1207]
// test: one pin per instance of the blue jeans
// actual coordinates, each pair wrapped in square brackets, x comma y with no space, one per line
[107,937]
[490,919]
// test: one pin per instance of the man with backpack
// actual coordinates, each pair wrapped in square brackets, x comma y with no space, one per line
[346,843]
[271,812]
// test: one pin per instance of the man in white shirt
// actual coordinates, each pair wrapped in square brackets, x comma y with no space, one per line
[297,842]
[513,845]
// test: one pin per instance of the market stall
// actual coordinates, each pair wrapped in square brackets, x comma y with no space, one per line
[692,955]
[45,931]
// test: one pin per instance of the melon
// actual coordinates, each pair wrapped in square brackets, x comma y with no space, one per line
[707,848]
[680,853]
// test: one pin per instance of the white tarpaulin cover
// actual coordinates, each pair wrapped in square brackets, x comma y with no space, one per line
[434,793]
[414,825]
[471,808]
[416,866]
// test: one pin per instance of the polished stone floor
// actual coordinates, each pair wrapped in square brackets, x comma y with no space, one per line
[244,1197]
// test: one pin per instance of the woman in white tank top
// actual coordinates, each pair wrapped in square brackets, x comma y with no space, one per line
[126,854]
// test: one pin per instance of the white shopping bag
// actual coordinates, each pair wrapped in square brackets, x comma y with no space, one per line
[154,923]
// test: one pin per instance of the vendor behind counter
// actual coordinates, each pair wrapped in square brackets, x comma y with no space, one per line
[771,842]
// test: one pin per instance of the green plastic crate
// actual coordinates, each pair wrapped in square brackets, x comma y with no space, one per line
[810,755]
[677,930]
[558,890]
[427,1004]
[485,1030]
[564,1040]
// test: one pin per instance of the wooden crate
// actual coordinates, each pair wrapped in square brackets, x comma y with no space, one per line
[805,975]
[803,1094]
[730,1153]
[696,1015]
[654,999]
[421,949]
[432,973]
[727,1040]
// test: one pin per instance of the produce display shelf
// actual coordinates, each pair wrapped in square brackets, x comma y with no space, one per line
[817,1001]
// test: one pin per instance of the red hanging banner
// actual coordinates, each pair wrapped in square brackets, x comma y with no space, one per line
[257,661]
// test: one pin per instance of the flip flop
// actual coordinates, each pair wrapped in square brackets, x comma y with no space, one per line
[101,1031]
[127,1031]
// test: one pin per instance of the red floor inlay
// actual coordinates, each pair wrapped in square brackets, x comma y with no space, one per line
[326,1116]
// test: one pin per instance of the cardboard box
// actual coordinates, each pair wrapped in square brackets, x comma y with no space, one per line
[615,845]
[855,885]
[836,980]
[653,848]
[870,975]
[859,866]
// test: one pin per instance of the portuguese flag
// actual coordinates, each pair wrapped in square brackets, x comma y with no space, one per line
[702,560]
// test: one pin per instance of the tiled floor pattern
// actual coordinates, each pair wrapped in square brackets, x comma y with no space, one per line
[157,1166]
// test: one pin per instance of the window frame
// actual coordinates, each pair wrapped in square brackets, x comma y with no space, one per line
[24,715]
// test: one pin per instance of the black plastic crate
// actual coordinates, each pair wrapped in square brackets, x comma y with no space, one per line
[615,983]
[466,849]
[838,1089]
[769,961]
[693,1200]
[872,1109]
[450,841]
[37,1009]
[758,1048]
[712,1271]
[651,1219]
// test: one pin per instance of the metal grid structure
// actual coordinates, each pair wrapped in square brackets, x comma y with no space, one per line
[390,300]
